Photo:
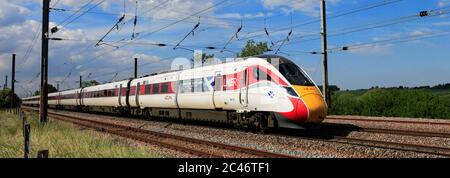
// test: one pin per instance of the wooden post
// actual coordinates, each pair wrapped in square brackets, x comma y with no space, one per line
[24,121]
[27,131]
[43,103]
[326,92]
[42,154]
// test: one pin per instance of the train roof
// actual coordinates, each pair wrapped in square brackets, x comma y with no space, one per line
[271,56]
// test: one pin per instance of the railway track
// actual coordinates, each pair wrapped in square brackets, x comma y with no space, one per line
[441,151]
[197,147]
[330,137]
[388,121]
[339,127]
[204,148]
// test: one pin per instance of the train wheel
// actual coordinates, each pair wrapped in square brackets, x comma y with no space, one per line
[146,114]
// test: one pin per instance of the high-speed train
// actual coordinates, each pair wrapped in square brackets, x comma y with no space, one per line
[257,92]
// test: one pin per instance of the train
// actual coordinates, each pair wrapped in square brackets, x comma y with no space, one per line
[260,92]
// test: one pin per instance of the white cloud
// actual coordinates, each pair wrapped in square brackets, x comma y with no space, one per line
[441,24]
[443,3]
[147,58]
[421,32]
[309,7]
[11,13]
[22,34]
[4,61]
[377,49]
[244,16]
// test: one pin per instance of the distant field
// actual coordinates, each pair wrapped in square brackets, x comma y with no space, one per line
[63,141]
[415,103]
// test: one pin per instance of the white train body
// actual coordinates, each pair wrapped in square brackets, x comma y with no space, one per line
[241,91]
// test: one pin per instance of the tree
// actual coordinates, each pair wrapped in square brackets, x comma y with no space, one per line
[5,99]
[50,87]
[89,83]
[332,88]
[253,49]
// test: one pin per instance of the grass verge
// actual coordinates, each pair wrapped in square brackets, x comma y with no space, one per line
[63,140]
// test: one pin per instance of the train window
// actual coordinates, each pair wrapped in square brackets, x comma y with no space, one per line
[132,90]
[259,74]
[218,82]
[165,87]
[244,78]
[294,74]
[193,87]
[155,88]
[180,86]
[205,85]
[186,86]
[147,89]
[198,85]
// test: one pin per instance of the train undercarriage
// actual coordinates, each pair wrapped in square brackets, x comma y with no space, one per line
[252,121]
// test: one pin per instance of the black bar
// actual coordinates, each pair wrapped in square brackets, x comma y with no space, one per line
[44,63]
[81,81]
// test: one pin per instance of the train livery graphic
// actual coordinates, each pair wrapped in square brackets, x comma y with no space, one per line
[254,92]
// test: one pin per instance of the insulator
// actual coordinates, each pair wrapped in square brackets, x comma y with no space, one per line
[423,13]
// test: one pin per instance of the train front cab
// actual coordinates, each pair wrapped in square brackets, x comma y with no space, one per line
[310,107]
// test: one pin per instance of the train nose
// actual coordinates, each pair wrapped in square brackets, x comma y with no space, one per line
[316,105]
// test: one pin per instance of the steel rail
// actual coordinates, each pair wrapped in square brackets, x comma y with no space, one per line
[131,132]
[391,121]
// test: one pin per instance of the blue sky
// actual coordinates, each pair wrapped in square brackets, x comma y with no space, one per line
[416,52]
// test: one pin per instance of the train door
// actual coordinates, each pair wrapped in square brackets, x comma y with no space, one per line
[58,99]
[217,89]
[127,97]
[138,91]
[243,90]
[81,97]
[120,95]
[76,98]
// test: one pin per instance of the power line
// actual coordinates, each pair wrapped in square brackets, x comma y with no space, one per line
[75,12]
[317,20]
[110,30]
[191,32]
[181,20]
[389,41]
[56,3]
[171,24]
[380,24]
[30,48]
[63,24]
[232,37]
[84,50]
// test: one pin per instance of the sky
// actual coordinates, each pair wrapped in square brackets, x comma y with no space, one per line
[388,43]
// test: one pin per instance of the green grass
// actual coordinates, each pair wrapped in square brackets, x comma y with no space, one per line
[63,140]
[415,103]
